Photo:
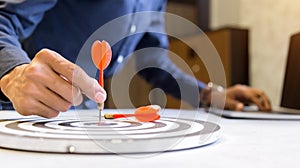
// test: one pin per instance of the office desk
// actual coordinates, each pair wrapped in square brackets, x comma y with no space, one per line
[242,143]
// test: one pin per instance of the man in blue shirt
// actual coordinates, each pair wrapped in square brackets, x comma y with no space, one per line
[40,81]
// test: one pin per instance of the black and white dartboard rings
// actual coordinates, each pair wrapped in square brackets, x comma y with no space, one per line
[69,133]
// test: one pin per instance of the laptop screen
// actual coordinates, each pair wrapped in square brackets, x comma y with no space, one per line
[291,88]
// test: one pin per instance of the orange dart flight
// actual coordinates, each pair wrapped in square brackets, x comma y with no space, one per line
[142,114]
[101,56]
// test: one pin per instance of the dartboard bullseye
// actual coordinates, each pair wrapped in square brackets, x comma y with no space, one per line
[85,135]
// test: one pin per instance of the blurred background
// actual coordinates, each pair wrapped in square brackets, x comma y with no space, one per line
[251,37]
[270,23]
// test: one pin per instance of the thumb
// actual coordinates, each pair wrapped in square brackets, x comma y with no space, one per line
[235,105]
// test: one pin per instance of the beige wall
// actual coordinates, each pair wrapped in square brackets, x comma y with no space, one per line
[271,22]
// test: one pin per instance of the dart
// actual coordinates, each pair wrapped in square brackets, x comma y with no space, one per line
[101,56]
[142,114]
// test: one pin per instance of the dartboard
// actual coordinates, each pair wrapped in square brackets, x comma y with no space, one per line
[73,134]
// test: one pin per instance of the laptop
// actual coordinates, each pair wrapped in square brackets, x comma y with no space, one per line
[290,99]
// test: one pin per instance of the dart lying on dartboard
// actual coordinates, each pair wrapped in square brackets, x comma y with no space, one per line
[142,114]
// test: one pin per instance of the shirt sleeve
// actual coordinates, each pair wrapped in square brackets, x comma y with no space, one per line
[17,22]
[154,65]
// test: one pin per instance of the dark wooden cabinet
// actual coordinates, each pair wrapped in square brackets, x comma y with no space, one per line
[232,47]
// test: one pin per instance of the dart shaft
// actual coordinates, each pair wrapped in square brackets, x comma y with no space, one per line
[114,116]
[101,78]
[101,105]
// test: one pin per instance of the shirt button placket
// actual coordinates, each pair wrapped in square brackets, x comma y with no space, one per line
[120,59]
[133,28]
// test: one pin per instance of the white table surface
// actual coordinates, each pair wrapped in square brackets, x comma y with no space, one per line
[242,143]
